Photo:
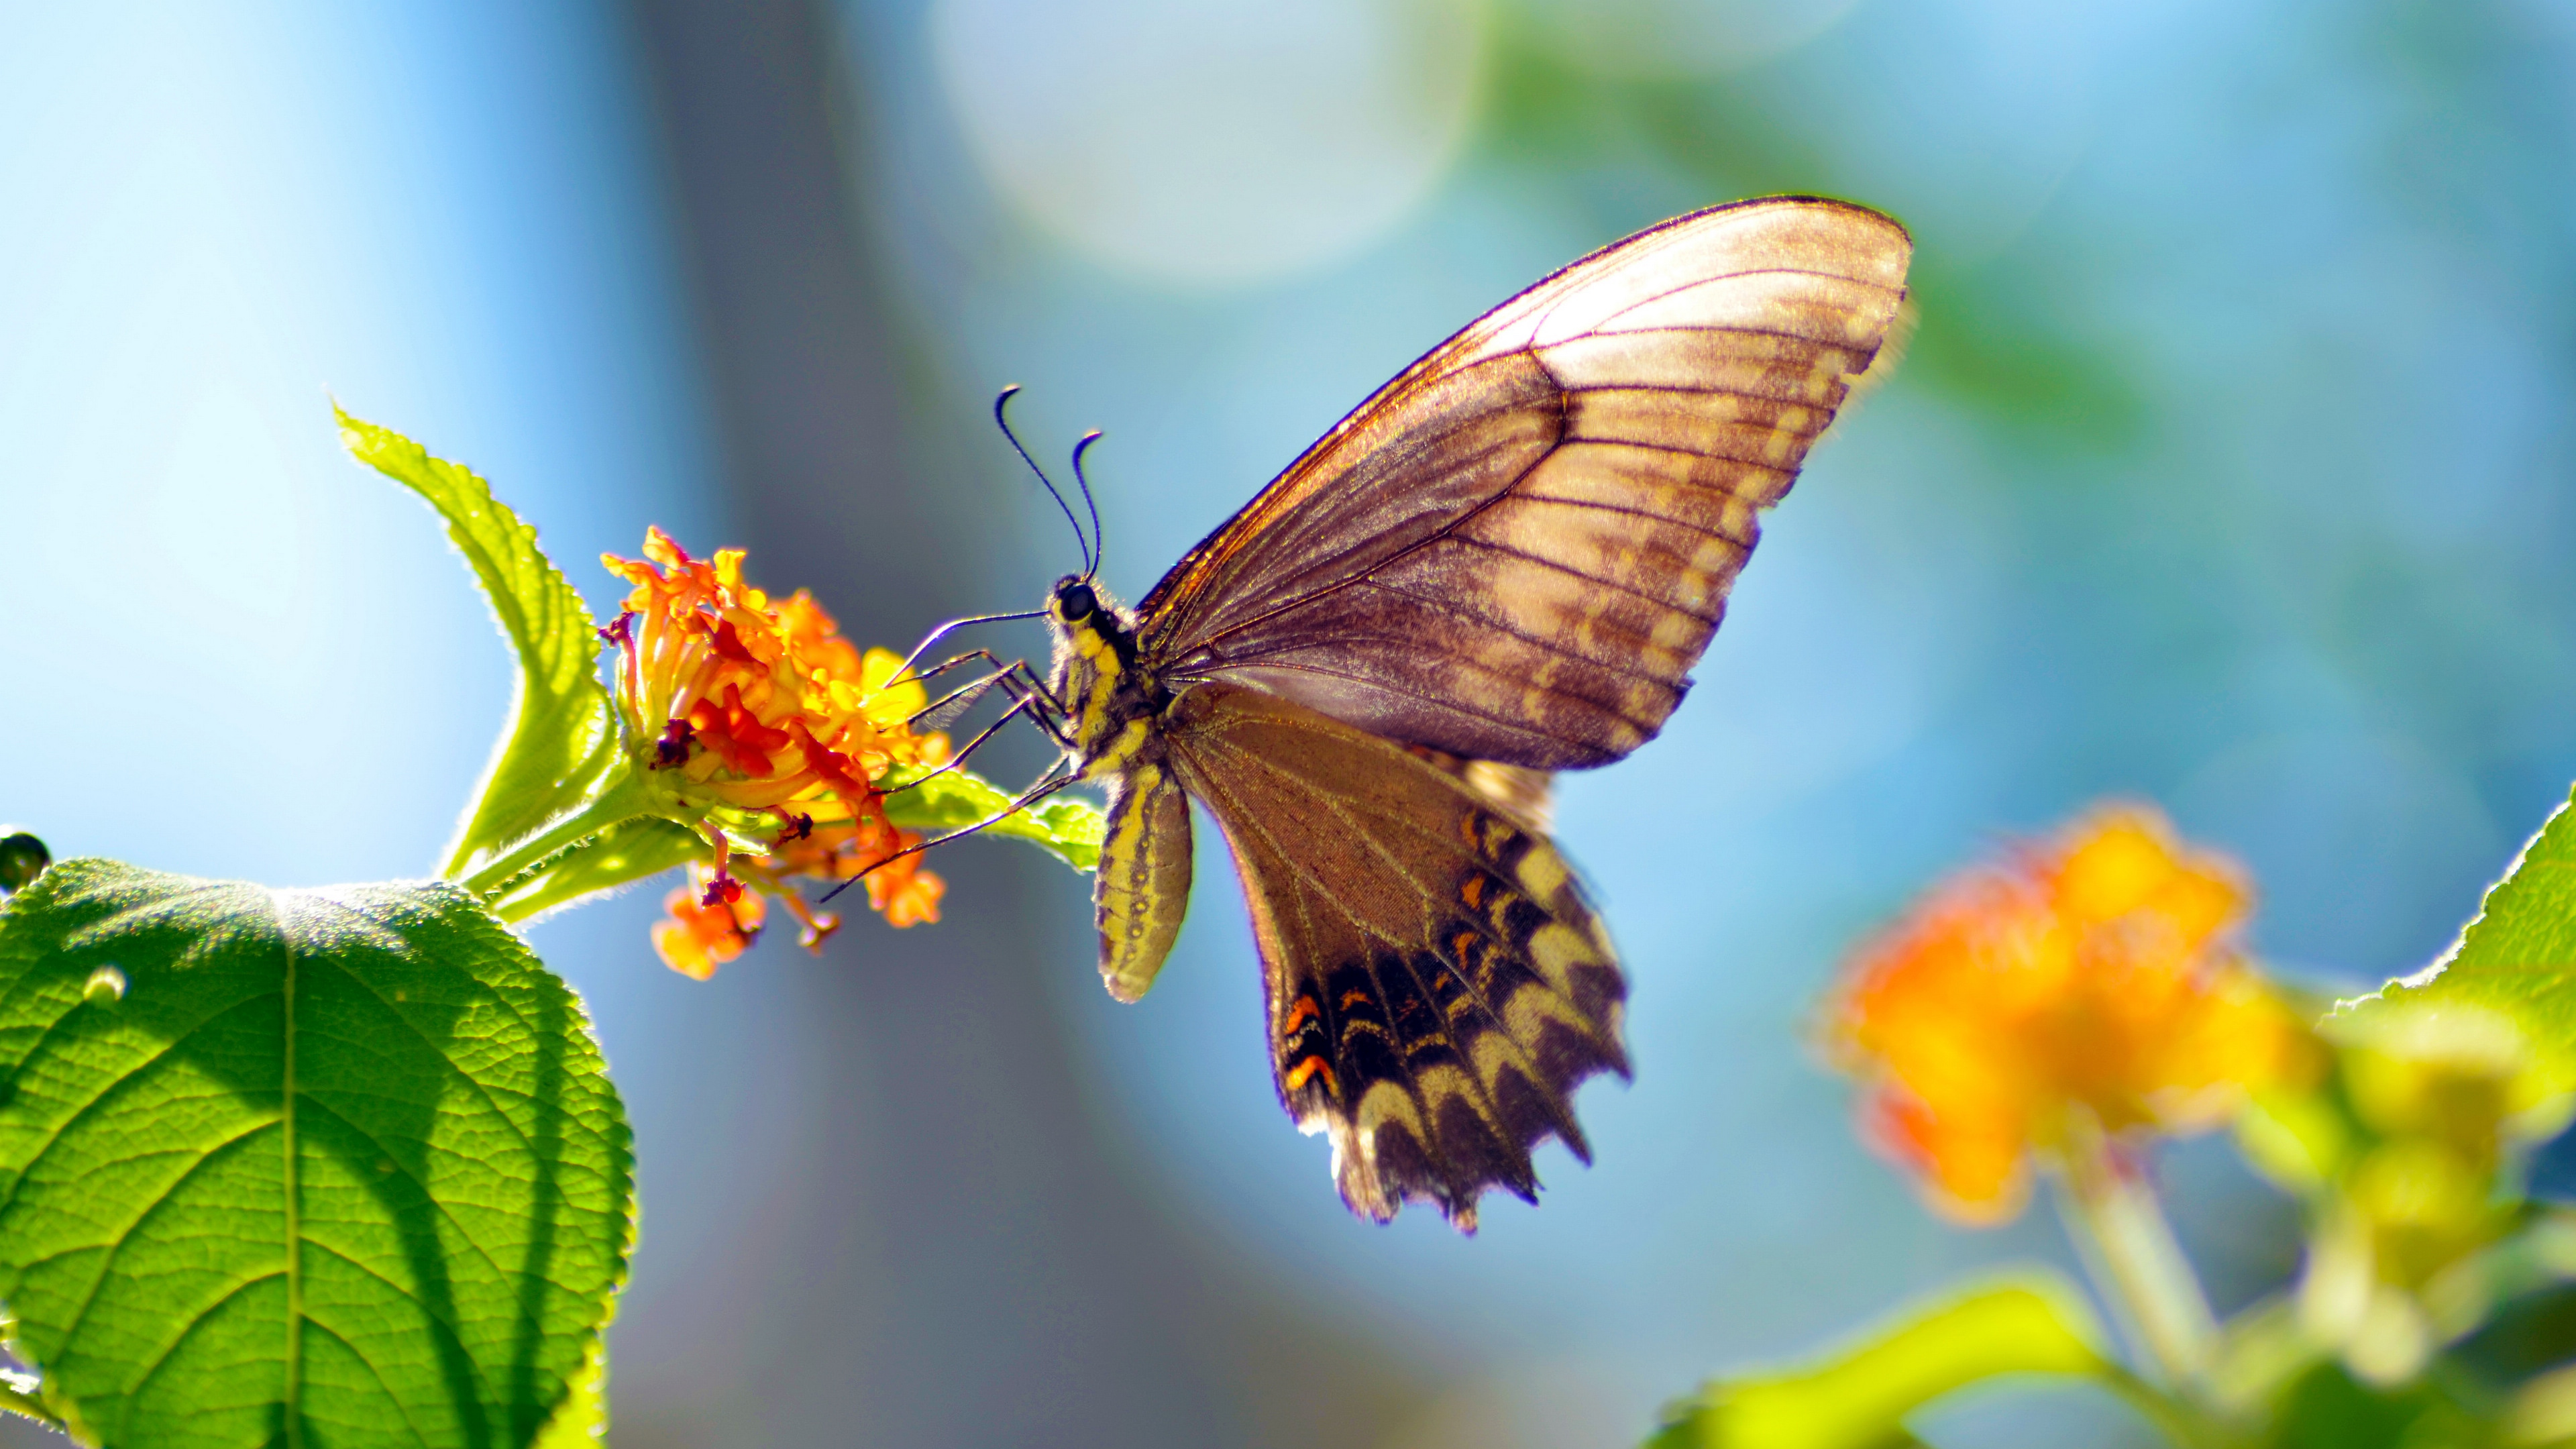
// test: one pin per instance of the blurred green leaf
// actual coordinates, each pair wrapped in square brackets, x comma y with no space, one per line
[1979,343]
[2526,1335]
[1065,826]
[1989,338]
[2329,1409]
[334,1166]
[562,731]
[1861,1397]
[2517,958]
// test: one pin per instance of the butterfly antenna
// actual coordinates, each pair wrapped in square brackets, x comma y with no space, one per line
[1099,545]
[1002,419]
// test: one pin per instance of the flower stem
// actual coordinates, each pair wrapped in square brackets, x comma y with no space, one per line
[620,802]
[2135,1258]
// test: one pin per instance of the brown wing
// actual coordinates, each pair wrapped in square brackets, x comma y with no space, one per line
[1518,548]
[1437,984]
[1528,796]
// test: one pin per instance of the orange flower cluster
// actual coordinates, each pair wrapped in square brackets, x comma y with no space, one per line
[2090,985]
[760,714]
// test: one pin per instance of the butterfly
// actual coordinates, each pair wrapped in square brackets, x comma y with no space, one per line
[1501,565]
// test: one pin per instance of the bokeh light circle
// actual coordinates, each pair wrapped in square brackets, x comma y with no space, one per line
[1212,145]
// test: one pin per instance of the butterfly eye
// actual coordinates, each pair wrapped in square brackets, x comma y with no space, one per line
[1076,603]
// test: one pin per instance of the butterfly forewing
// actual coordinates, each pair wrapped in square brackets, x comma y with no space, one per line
[1437,986]
[1517,549]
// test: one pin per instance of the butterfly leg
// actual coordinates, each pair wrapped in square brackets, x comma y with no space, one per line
[1047,785]
[1020,704]
[1014,678]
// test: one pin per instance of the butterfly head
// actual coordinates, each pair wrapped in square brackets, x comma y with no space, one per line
[1075,601]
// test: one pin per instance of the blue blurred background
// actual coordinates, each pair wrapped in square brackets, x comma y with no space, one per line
[2230,469]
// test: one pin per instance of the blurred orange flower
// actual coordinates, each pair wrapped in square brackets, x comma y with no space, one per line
[2090,985]
[760,714]
[708,926]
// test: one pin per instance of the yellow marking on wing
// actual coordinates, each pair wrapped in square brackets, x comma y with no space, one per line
[1783,442]
[1444,1081]
[1383,1103]
[1601,938]
[1556,949]
[1642,699]
[1716,554]
[1673,631]
[1542,874]
[1530,1008]
[1494,1051]
[1534,695]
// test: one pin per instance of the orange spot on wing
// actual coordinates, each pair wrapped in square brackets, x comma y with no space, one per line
[1302,1012]
[1354,998]
[1473,892]
[1307,1070]
[1462,943]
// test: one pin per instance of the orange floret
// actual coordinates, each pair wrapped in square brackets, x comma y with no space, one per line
[707,926]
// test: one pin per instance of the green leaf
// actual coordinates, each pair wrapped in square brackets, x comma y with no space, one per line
[1860,1397]
[582,1421]
[1066,826]
[562,733]
[622,854]
[335,1166]
[2517,958]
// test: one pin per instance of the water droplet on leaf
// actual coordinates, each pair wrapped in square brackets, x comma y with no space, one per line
[22,858]
[106,986]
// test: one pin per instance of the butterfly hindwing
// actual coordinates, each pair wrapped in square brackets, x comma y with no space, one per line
[1518,548]
[1437,985]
